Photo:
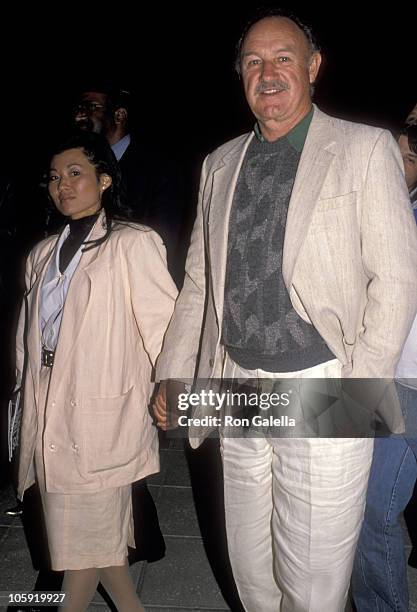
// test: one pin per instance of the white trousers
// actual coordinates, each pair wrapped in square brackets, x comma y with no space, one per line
[294,509]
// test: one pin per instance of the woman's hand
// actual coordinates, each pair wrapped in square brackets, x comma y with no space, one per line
[165,407]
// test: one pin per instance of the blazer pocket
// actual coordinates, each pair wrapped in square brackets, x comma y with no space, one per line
[335,215]
[111,401]
[112,431]
[325,204]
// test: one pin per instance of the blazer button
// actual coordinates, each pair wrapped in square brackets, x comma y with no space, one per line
[73,402]
[52,447]
[211,362]
[74,448]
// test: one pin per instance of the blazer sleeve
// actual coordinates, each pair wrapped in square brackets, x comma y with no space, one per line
[179,356]
[153,292]
[21,326]
[389,256]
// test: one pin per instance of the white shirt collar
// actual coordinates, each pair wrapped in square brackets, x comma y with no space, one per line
[120,146]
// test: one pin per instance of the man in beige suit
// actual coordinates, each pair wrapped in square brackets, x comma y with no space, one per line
[301,265]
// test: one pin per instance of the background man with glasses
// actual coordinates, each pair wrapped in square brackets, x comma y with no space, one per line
[154,183]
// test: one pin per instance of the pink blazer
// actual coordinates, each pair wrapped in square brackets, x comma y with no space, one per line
[98,432]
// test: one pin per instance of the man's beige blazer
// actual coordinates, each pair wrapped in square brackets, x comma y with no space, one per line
[98,432]
[349,260]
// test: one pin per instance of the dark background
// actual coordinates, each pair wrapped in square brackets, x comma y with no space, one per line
[178,63]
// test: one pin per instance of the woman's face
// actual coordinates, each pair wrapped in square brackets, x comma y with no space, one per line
[74,186]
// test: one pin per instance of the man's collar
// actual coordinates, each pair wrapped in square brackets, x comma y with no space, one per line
[120,146]
[296,136]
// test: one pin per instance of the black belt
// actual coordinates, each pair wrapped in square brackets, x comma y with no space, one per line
[47,357]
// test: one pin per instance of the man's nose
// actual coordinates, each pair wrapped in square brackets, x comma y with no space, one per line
[80,114]
[269,70]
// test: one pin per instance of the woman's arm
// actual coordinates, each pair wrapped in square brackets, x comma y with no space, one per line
[21,326]
[153,292]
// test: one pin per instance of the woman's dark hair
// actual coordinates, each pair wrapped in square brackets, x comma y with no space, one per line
[99,153]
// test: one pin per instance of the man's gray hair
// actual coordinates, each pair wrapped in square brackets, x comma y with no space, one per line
[263,14]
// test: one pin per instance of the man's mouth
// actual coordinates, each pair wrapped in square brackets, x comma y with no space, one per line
[84,124]
[270,89]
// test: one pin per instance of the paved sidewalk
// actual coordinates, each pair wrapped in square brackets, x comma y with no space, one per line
[181,582]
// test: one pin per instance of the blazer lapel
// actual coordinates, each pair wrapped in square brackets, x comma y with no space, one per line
[316,159]
[224,184]
[76,302]
[32,301]
[315,162]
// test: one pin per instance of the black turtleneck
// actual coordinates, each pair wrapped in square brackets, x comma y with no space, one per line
[78,231]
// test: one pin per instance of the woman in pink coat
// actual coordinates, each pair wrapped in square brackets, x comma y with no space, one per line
[98,301]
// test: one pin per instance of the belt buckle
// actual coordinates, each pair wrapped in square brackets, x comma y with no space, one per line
[47,357]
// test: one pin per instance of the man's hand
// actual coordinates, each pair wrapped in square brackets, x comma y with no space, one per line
[165,407]
[160,406]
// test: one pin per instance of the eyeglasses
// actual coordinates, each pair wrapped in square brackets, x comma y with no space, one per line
[88,107]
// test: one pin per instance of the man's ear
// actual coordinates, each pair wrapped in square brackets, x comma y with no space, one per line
[120,116]
[314,66]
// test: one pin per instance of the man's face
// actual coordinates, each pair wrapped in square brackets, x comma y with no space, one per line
[277,70]
[91,113]
[410,162]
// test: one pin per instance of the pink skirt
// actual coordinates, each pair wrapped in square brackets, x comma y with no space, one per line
[88,530]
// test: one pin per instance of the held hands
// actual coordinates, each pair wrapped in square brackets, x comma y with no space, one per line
[165,407]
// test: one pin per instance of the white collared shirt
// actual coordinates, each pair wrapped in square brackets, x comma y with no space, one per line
[54,292]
